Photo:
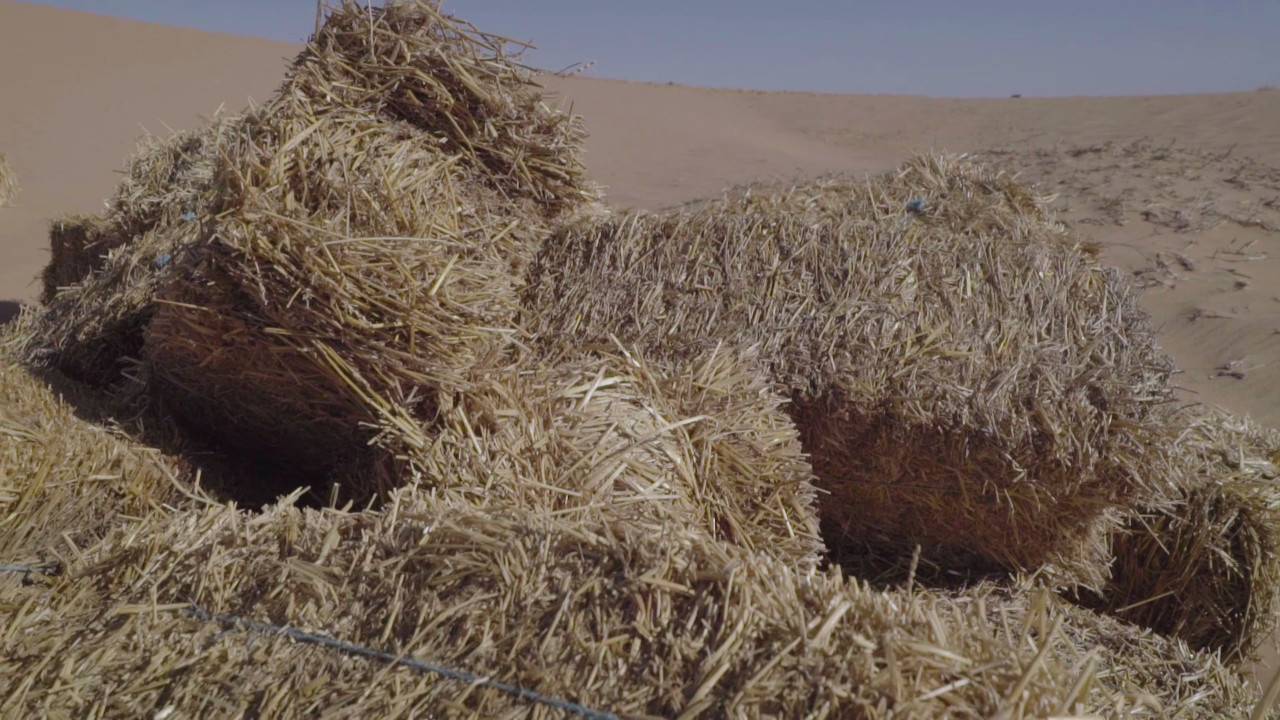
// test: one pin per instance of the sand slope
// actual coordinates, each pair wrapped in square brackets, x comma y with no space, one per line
[78,89]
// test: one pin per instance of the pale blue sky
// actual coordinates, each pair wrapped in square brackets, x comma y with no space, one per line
[948,48]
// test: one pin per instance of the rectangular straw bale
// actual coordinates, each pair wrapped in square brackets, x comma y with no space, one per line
[605,614]
[78,246]
[964,376]
[101,283]
[63,480]
[703,445]
[1206,569]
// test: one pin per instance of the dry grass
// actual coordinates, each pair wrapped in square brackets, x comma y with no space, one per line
[8,182]
[965,377]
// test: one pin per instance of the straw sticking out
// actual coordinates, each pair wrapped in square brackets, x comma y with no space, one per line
[8,182]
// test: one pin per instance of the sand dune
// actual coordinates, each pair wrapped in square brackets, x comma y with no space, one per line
[76,92]
[1194,212]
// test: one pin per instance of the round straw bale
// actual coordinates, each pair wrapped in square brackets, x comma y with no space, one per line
[1206,568]
[964,376]
[603,613]
[702,445]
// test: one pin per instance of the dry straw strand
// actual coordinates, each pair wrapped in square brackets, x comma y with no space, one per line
[8,182]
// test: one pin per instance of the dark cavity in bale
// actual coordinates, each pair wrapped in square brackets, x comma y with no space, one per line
[304,283]
[965,378]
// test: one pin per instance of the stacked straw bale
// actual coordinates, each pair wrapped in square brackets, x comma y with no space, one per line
[8,182]
[1207,568]
[606,614]
[308,280]
[703,445]
[332,281]
[592,604]
[964,377]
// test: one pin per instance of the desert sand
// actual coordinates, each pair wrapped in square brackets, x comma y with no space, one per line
[1181,191]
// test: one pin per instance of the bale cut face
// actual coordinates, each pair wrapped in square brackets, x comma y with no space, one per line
[78,246]
[964,375]
[306,280]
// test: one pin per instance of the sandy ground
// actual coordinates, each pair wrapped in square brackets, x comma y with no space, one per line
[1182,191]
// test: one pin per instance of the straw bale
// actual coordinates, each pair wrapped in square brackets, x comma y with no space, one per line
[78,246]
[1206,569]
[106,271]
[307,280]
[65,481]
[409,62]
[602,613]
[703,445]
[8,182]
[964,377]
[596,607]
